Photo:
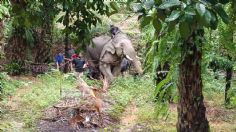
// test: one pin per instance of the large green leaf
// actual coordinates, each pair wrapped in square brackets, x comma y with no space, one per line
[207,18]
[169,4]
[184,29]
[201,9]
[173,16]
[221,12]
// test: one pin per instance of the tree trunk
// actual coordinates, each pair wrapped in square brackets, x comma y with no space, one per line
[228,78]
[67,45]
[44,44]
[191,109]
[66,68]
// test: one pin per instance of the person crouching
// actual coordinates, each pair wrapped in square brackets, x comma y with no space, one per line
[79,64]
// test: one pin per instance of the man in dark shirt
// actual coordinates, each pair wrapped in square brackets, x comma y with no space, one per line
[79,65]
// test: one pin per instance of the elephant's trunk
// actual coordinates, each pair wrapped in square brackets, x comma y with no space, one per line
[136,62]
[138,67]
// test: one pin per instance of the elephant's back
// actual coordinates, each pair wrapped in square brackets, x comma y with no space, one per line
[96,46]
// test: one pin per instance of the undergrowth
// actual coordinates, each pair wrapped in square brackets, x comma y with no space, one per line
[214,90]
[137,89]
[8,86]
[40,95]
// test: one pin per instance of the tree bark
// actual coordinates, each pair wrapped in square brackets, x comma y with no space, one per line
[191,109]
[44,44]
[67,45]
[228,78]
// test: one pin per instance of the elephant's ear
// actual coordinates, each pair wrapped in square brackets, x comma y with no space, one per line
[108,48]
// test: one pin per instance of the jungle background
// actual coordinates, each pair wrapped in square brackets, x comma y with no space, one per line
[32,32]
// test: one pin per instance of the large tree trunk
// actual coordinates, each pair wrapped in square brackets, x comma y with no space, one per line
[228,78]
[191,109]
[43,46]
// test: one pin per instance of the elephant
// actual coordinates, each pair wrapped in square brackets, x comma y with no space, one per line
[108,52]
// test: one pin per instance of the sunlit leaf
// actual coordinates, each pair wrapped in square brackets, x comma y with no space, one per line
[201,9]
[169,4]
[173,16]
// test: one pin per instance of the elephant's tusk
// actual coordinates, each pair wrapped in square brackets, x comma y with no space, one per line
[129,58]
[137,57]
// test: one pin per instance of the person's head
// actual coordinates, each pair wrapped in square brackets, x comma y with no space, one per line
[74,56]
[59,52]
[114,30]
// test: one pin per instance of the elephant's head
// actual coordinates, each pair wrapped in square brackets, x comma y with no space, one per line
[121,46]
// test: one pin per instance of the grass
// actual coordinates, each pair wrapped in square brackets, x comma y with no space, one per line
[139,91]
[37,97]
[9,86]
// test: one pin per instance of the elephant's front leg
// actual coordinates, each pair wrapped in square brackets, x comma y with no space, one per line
[116,70]
[106,71]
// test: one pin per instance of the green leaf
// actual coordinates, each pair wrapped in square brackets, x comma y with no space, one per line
[173,16]
[137,7]
[201,9]
[188,18]
[157,25]
[160,85]
[145,21]
[184,29]
[207,18]
[149,4]
[114,6]
[214,20]
[169,4]
[190,11]
[221,12]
